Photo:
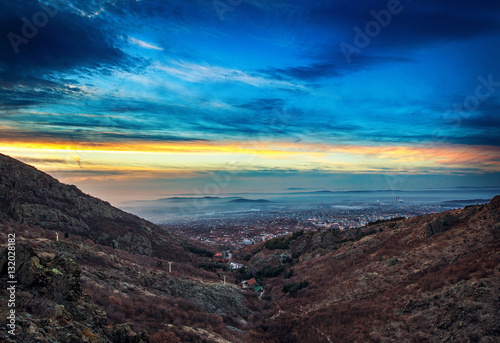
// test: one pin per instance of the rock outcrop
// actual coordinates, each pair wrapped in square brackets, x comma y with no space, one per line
[50,305]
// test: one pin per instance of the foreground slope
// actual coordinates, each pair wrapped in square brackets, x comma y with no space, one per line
[77,291]
[433,278]
[107,278]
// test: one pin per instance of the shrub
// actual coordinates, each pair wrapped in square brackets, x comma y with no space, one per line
[379,221]
[277,243]
[212,267]
[297,234]
[282,243]
[293,287]
[163,336]
[244,273]
[288,274]
[392,262]
[269,271]
[199,251]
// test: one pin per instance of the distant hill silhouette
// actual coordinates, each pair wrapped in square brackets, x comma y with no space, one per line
[242,200]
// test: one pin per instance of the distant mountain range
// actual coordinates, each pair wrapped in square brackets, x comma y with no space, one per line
[471,201]
[186,198]
[242,200]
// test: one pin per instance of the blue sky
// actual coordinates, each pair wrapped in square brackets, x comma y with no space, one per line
[145,98]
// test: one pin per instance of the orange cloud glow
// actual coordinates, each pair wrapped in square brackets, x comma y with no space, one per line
[202,155]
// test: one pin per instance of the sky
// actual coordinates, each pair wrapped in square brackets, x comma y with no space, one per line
[144,99]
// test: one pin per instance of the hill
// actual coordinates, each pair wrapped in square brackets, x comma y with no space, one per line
[433,278]
[36,199]
[110,276]
[243,200]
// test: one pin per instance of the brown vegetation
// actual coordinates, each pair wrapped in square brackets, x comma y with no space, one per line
[427,279]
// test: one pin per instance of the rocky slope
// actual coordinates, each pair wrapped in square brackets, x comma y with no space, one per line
[107,277]
[30,196]
[50,305]
[74,290]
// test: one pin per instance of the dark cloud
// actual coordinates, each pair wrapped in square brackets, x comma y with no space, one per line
[417,22]
[309,73]
[8,103]
[40,45]
[66,41]
[36,160]
[33,91]
[486,118]
[437,137]
[90,172]
[88,137]
[478,127]
[489,137]
[336,66]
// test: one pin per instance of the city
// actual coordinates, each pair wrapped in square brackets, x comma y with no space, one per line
[235,231]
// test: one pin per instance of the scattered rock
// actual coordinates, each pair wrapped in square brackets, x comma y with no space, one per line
[392,262]
[123,333]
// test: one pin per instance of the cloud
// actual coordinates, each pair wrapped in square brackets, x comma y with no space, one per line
[314,71]
[54,136]
[333,66]
[41,160]
[31,91]
[152,73]
[43,48]
[199,73]
[144,44]
[66,41]
[263,104]
[418,22]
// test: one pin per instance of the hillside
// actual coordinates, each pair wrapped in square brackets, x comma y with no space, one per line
[107,278]
[36,199]
[78,291]
[433,278]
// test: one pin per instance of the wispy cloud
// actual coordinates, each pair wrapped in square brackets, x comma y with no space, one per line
[144,44]
[207,73]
